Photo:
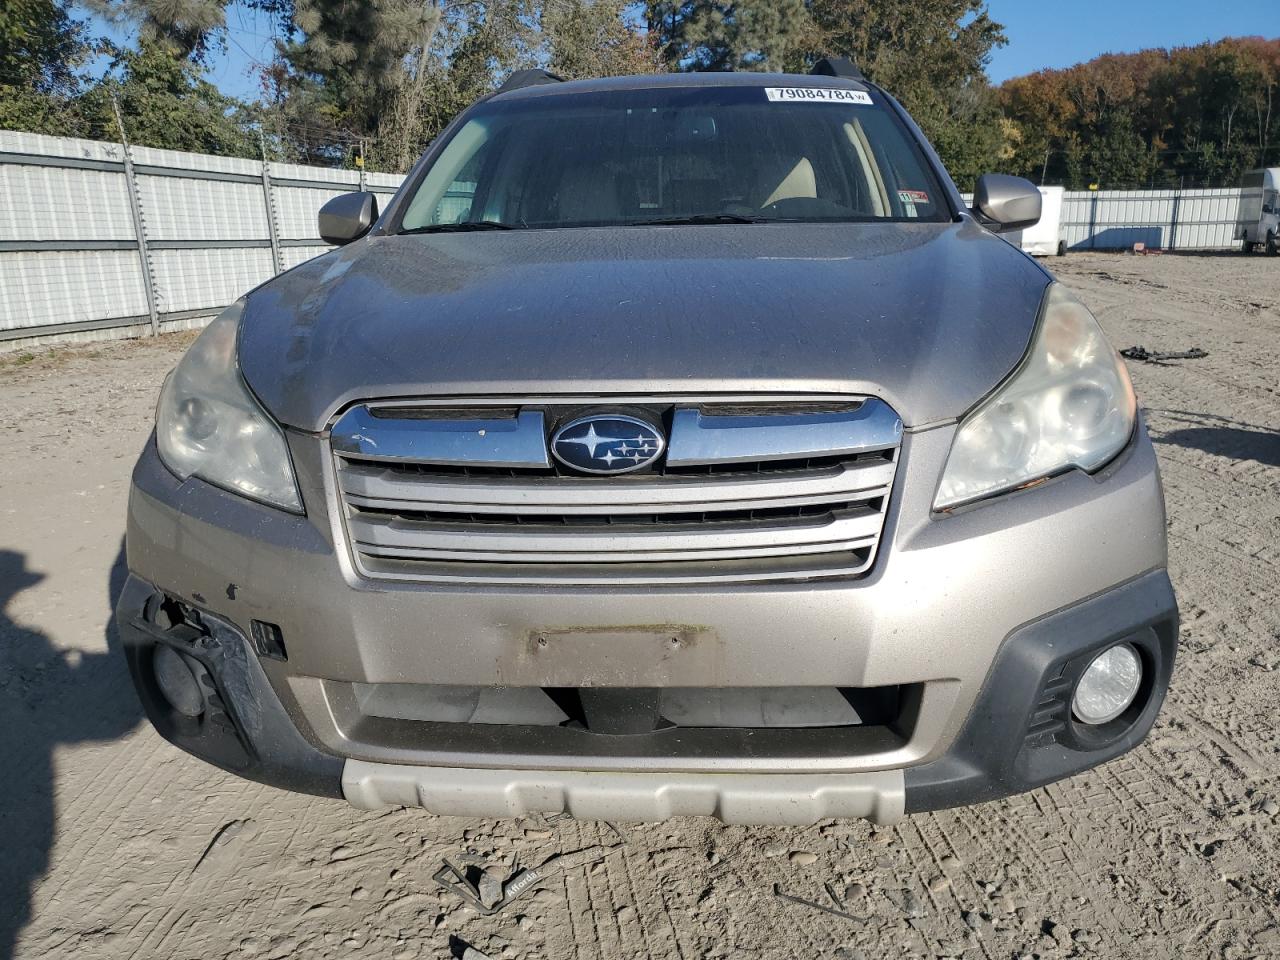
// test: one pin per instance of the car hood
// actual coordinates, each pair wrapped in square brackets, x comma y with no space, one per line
[928,316]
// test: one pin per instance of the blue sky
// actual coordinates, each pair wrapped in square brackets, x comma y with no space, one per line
[1045,34]
[1041,33]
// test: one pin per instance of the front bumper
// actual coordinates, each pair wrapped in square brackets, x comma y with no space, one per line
[1018,736]
[944,609]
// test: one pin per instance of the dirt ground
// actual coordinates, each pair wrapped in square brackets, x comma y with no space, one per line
[114,844]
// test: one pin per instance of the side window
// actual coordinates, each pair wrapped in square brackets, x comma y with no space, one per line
[1271,202]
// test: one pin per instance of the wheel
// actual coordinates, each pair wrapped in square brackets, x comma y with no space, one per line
[1272,249]
[1246,248]
[1062,248]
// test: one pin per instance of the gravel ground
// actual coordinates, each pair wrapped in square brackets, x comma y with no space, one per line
[114,844]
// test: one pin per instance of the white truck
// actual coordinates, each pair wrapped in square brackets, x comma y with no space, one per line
[1044,239]
[1258,222]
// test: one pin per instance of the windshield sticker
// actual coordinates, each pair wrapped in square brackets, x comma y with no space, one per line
[913,196]
[816,95]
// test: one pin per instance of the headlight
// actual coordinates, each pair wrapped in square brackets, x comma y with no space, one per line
[209,426]
[1070,404]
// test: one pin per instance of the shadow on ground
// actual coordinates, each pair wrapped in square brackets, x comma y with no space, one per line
[1222,437]
[48,698]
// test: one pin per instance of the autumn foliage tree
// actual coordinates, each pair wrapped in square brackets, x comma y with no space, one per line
[1190,116]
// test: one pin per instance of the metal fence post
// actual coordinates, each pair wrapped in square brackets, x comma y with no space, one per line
[1173,220]
[139,223]
[269,199]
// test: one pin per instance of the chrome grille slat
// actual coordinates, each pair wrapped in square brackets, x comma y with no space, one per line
[721,511]
[692,542]
[477,441]
[633,556]
[370,486]
[700,439]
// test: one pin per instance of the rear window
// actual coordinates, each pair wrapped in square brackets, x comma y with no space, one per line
[687,154]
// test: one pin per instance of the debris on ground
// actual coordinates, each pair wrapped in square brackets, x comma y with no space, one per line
[489,886]
[813,905]
[1156,356]
[229,837]
[479,884]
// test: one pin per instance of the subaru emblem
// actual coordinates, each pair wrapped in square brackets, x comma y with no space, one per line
[607,443]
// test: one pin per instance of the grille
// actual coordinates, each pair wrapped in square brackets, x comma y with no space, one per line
[665,709]
[746,491]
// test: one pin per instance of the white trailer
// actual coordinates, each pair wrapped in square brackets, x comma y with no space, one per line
[1258,223]
[1045,238]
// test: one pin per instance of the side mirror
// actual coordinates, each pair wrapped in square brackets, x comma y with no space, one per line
[347,217]
[1006,203]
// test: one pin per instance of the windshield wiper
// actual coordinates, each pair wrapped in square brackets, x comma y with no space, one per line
[464,227]
[697,219]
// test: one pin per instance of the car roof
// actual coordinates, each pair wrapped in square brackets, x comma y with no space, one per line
[678,80]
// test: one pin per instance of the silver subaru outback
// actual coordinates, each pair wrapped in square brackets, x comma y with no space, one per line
[668,445]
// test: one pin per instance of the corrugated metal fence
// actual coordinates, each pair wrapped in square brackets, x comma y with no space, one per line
[1167,219]
[1161,219]
[98,241]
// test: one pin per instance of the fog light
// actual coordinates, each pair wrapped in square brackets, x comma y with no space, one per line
[177,682]
[1108,685]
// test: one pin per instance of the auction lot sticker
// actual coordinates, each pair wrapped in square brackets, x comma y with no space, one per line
[817,95]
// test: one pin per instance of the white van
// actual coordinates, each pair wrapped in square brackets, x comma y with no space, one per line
[1258,222]
[1044,239]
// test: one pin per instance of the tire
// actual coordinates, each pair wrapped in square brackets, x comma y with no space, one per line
[1062,248]
[1272,248]
[1246,248]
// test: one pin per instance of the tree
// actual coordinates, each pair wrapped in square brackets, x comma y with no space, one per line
[182,27]
[741,35]
[40,48]
[932,56]
[187,29]
[595,38]
[167,103]
[1188,116]
[40,45]
[1038,108]
[473,45]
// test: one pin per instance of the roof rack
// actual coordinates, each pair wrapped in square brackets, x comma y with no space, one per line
[528,78]
[837,67]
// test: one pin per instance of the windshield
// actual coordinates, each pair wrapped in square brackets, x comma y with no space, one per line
[676,155]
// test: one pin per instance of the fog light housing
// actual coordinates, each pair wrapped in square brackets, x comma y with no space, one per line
[1108,685]
[177,681]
